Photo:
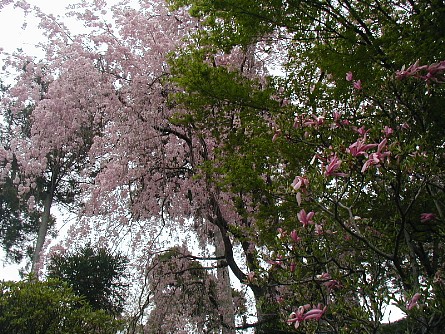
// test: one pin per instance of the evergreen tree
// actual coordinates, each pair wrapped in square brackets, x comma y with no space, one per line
[94,273]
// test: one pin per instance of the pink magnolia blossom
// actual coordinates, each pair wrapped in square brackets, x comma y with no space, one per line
[318,229]
[276,263]
[281,233]
[305,218]
[276,135]
[333,166]
[360,148]
[314,121]
[279,299]
[388,131]
[294,236]
[316,313]
[336,115]
[426,217]
[410,71]
[300,182]
[361,131]
[328,282]
[430,73]
[413,301]
[349,76]
[298,198]
[378,157]
[298,317]
[357,85]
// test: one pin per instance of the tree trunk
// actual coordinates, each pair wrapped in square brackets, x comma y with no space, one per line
[43,229]
[225,290]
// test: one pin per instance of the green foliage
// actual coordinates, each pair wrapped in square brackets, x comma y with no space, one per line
[34,307]
[17,224]
[94,273]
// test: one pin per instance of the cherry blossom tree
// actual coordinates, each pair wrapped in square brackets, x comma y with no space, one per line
[137,167]
[53,151]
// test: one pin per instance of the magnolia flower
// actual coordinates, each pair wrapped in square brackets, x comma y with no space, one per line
[328,281]
[276,135]
[316,313]
[377,157]
[294,236]
[361,131]
[349,76]
[357,84]
[305,218]
[426,217]
[388,131]
[413,301]
[299,181]
[298,198]
[360,148]
[276,263]
[298,317]
[333,166]
[281,233]
[315,121]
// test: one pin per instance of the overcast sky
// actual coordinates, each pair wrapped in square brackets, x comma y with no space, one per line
[13,36]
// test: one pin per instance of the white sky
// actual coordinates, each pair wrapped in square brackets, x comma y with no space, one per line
[13,36]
